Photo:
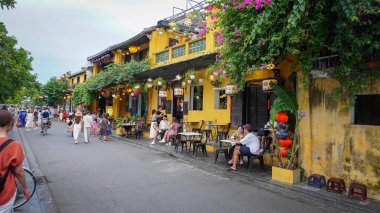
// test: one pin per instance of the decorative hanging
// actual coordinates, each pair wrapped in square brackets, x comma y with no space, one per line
[133,49]
[267,84]
[231,89]
[282,117]
[162,94]
[178,91]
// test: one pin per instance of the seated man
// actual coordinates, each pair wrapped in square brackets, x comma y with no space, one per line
[164,125]
[251,146]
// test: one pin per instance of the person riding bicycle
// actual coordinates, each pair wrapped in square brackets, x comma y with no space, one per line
[11,167]
[45,114]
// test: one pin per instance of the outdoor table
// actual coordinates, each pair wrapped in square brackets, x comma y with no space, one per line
[128,128]
[189,137]
[216,127]
[232,143]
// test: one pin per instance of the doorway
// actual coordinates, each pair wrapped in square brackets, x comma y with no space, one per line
[178,107]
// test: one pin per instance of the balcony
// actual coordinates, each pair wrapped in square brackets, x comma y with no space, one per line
[182,52]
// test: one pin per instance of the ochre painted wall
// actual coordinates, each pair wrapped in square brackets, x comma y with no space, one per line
[331,145]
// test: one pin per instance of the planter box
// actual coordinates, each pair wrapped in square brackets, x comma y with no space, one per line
[286,175]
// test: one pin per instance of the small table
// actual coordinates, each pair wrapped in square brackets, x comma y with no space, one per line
[229,142]
[189,137]
[216,126]
[128,128]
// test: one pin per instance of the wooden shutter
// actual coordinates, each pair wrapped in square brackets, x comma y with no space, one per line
[237,110]
[185,108]
[168,107]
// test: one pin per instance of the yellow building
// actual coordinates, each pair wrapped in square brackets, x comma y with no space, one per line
[73,80]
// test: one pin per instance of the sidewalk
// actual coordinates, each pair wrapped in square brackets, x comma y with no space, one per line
[262,179]
[42,201]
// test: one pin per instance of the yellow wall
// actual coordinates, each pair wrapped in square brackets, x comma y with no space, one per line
[331,145]
[81,80]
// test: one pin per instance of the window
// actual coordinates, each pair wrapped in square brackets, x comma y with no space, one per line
[220,99]
[164,56]
[78,79]
[161,105]
[72,83]
[367,110]
[197,46]
[196,97]
[178,51]
[84,77]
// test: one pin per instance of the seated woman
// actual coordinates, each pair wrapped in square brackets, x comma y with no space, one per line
[125,129]
[171,132]
[238,135]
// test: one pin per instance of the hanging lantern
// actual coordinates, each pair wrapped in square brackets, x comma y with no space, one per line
[162,94]
[283,152]
[183,84]
[231,89]
[192,76]
[159,83]
[129,90]
[285,142]
[178,91]
[150,80]
[137,87]
[178,77]
[200,80]
[135,93]
[282,117]
[150,85]
[189,81]
[133,49]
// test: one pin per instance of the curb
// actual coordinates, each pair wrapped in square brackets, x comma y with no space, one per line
[290,192]
[45,198]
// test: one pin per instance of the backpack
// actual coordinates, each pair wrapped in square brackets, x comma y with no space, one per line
[4,177]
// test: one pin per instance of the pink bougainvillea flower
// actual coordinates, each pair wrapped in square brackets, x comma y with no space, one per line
[219,39]
[262,66]
[237,34]
[212,16]
[222,62]
[217,72]
[233,2]
[217,56]
[248,2]
[268,1]
[236,29]
[241,6]
[210,7]
[232,41]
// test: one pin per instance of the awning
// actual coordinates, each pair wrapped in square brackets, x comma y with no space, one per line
[168,72]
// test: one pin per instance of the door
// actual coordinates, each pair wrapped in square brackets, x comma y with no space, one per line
[256,106]
[178,107]
[237,104]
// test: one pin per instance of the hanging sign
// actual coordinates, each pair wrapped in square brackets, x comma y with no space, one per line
[231,89]
[162,94]
[266,84]
[178,91]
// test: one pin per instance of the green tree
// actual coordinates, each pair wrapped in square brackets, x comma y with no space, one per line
[53,91]
[9,4]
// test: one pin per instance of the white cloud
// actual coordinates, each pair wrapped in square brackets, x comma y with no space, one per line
[61,34]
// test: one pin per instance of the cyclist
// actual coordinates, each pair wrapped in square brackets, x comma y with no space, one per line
[11,165]
[45,114]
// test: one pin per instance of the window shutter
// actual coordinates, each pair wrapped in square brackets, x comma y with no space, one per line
[168,107]
[237,110]
[185,108]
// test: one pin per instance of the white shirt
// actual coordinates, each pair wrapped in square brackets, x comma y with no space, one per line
[87,121]
[252,142]
[164,124]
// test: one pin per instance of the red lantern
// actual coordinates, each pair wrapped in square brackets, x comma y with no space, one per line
[283,151]
[285,142]
[282,117]
[136,93]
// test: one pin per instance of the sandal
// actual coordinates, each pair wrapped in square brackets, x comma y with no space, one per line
[231,169]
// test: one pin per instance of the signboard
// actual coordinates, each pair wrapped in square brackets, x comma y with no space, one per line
[178,91]
[162,94]
[231,89]
[266,84]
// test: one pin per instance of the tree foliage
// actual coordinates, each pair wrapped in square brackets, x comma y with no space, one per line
[15,65]
[53,91]
[255,35]
[8,4]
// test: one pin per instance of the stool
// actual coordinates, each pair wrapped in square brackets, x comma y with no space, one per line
[336,185]
[358,186]
[316,180]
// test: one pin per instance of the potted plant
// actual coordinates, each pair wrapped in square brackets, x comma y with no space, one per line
[120,121]
[286,142]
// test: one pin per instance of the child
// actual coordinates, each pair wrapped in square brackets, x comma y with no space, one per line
[109,131]
[95,126]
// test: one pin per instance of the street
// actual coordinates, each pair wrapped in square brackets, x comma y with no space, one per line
[117,177]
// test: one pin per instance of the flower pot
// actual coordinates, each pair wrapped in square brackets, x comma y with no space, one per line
[286,175]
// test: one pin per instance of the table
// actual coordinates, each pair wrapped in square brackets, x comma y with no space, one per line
[128,128]
[216,126]
[229,142]
[187,124]
[189,137]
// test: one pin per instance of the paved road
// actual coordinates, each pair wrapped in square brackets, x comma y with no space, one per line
[117,177]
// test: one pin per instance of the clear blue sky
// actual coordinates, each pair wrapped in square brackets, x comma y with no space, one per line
[61,34]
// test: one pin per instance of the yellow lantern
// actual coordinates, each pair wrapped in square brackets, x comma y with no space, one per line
[133,49]
[129,90]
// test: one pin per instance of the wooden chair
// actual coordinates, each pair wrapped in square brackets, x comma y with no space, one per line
[206,137]
[199,128]
[220,148]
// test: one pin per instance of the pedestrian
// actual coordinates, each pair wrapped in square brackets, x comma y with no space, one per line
[95,126]
[11,167]
[35,119]
[60,116]
[22,116]
[109,129]
[77,126]
[103,125]
[154,129]
[87,126]
[64,116]
[29,121]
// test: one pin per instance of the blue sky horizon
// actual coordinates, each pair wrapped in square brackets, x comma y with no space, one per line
[61,34]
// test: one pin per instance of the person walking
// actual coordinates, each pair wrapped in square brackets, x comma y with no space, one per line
[103,125]
[29,121]
[87,125]
[22,116]
[77,126]
[11,156]
[95,126]
[35,118]
[64,116]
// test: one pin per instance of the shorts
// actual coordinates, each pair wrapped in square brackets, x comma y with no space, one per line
[245,151]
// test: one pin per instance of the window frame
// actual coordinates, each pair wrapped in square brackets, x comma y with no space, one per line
[217,98]
[194,47]
[367,111]
[162,56]
[192,88]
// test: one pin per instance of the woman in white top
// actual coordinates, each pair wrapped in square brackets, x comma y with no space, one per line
[29,121]
[154,130]
[77,126]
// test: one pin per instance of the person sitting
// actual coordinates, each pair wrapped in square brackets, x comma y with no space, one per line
[171,132]
[164,125]
[251,146]
[238,135]
[139,128]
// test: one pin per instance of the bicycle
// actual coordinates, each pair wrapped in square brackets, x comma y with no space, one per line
[31,183]
[44,126]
